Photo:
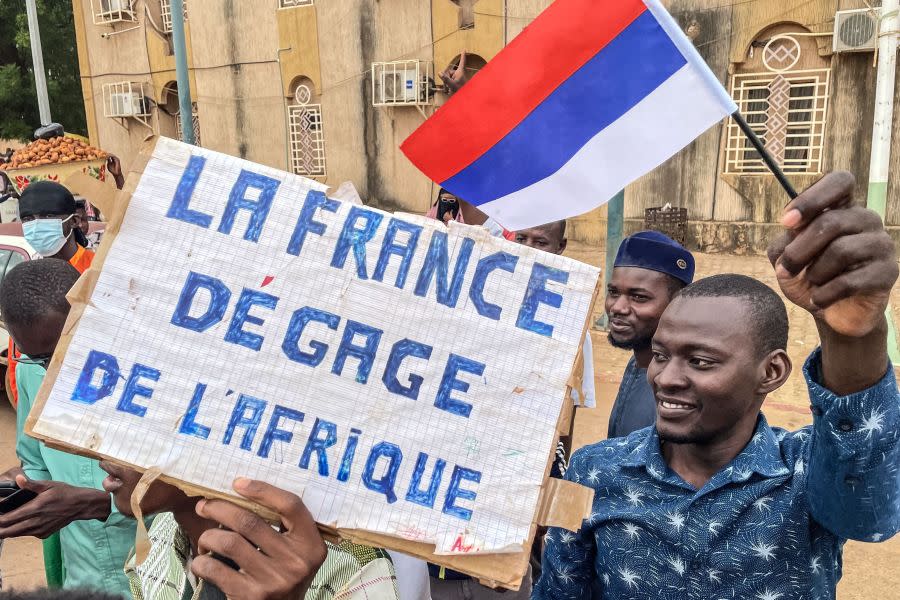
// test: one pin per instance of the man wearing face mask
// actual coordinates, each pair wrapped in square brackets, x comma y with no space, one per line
[52,227]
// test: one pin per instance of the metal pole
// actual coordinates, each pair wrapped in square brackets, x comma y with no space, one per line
[37,58]
[884,107]
[185,108]
[876,198]
[615,221]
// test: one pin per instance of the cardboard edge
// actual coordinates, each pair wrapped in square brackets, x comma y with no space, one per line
[80,294]
[102,195]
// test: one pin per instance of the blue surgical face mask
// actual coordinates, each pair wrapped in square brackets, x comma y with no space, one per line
[46,235]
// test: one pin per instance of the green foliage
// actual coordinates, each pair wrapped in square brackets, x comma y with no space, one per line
[19,115]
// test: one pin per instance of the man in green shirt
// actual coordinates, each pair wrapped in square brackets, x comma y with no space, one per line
[94,536]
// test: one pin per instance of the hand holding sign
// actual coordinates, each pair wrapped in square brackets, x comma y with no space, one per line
[273,565]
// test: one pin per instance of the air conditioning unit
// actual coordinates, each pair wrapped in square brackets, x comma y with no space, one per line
[110,12]
[400,86]
[404,82]
[856,30]
[108,6]
[126,104]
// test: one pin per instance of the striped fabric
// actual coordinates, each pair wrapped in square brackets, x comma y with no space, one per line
[350,572]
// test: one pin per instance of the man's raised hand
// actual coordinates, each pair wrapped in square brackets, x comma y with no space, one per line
[835,260]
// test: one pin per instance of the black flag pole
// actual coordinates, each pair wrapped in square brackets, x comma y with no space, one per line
[766,157]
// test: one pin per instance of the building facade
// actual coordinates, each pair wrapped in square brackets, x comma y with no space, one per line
[330,88]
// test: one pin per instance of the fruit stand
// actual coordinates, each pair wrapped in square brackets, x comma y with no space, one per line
[54,159]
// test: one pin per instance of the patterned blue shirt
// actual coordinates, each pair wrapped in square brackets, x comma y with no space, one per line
[769,526]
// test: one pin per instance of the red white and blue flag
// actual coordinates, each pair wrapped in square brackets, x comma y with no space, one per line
[591,96]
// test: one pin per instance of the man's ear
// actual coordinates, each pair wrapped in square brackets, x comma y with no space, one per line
[775,369]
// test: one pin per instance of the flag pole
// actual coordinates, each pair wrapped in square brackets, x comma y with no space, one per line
[766,157]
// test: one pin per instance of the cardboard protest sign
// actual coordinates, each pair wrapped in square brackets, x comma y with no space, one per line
[405,379]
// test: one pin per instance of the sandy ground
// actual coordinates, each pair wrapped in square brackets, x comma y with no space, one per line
[870,570]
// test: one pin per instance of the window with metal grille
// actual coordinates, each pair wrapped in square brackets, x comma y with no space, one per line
[788,112]
[165,11]
[293,3]
[307,135]
[195,120]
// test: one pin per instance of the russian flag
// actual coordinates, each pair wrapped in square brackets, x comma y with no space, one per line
[591,96]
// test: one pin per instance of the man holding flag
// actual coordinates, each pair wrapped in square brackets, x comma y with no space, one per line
[712,501]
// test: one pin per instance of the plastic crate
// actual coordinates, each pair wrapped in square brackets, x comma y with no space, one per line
[671,221]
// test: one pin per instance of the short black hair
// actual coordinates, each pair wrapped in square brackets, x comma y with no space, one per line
[768,314]
[56,594]
[35,288]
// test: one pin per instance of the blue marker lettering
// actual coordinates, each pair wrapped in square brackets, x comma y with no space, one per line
[134,388]
[436,265]
[449,384]
[317,444]
[299,320]
[401,350]
[273,433]
[454,492]
[365,353]
[189,425]
[384,485]
[425,497]
[500,260]
[259,208]
[85,392]
[356,237]
[404,251]
[218,302]
[240,419]
[305,223]
[349,453]
[536,293]
[236,333]
[179,207]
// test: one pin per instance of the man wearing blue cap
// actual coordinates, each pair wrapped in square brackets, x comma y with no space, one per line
[650,269]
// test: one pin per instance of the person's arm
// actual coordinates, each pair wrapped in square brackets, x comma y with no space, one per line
[837,262]
[28,449]
[567,570]
[57,504]
[114,166]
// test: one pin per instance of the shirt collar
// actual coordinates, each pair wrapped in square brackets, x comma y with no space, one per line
[762,456]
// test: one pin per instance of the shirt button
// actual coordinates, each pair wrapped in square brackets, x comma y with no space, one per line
[816,410]
[851,480]
[845,425]
[696,565]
